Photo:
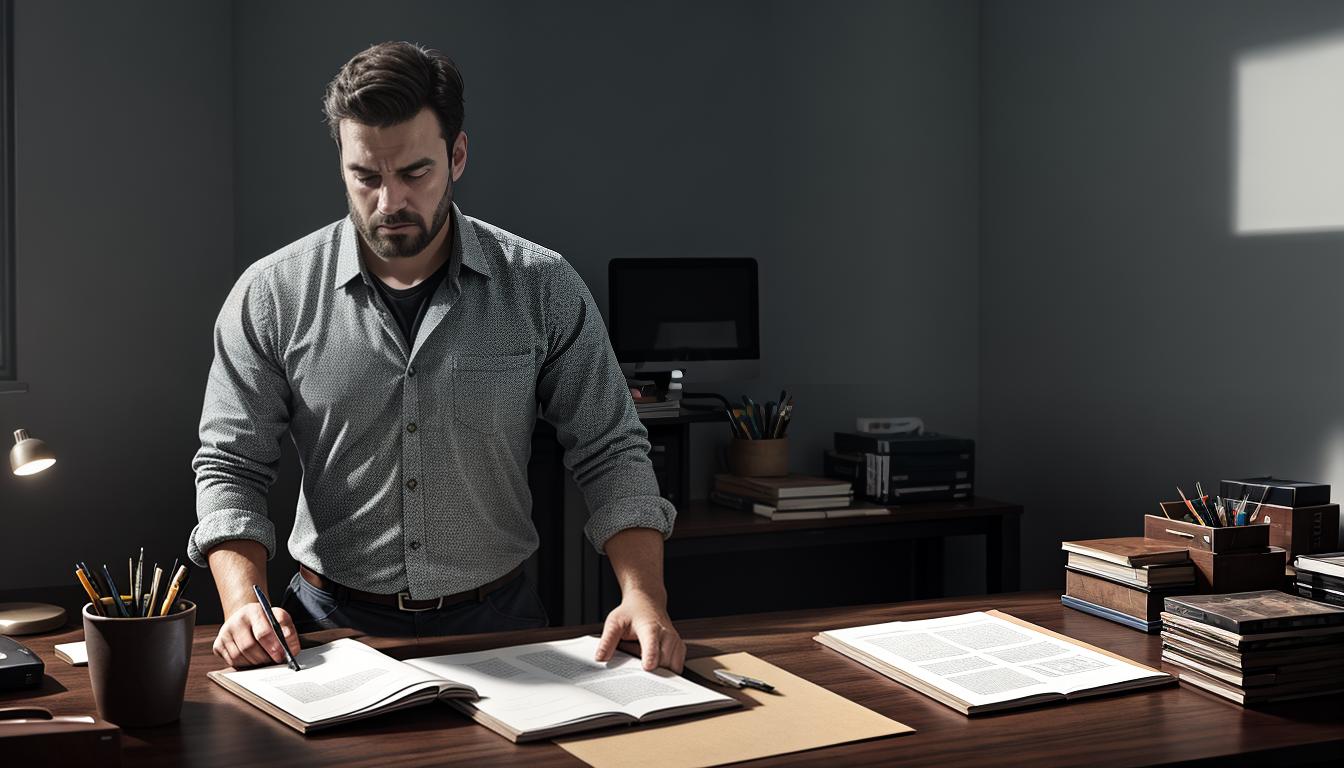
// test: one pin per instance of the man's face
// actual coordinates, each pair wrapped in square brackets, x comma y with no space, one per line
[399,182]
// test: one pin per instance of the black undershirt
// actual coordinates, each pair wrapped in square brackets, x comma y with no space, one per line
[408,305]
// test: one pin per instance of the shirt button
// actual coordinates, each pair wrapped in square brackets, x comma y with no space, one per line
[415,545]
[410,371]
[411,483]
[410,427]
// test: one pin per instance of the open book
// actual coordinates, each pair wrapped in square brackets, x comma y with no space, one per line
[982,662]
[523,693]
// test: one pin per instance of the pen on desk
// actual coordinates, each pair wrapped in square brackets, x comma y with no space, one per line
[174,587]
[275,626]
[742,681]
[116,594]
[88,588]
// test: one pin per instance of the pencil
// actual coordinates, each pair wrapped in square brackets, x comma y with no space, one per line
[173,588]
[153,594]
[116,594]
[88,588]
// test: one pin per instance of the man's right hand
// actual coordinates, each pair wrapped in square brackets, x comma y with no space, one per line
[247,640]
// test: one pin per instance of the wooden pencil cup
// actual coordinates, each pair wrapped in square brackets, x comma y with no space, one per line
[759,458]
[138,667]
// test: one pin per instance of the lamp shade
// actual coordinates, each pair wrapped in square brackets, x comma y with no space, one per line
[29,455]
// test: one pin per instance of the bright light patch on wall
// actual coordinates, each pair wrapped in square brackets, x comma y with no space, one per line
[1290,138]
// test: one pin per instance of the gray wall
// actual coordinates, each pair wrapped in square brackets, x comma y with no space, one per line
[162,147]
[837,147]
[1130,342]
[124,242]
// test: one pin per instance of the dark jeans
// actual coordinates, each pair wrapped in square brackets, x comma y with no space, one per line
[513,606]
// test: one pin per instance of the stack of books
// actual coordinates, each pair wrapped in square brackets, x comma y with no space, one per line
[1126,579]
[1255,647]
[1321,577]
[903,468]
[652,402]
[792,497]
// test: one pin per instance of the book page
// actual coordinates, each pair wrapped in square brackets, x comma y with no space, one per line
[531,687]
[983,659]
[336,679]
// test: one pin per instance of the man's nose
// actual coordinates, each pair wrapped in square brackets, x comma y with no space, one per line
[391,198]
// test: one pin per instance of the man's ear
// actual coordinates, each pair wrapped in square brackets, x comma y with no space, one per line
[458,155]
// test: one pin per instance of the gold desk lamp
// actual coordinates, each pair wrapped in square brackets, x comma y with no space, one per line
[28,457]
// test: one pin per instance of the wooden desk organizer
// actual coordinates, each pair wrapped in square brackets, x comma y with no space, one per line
[1225,539]
[1227,559]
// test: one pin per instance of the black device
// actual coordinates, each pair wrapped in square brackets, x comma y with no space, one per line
[19,666]
[699,316]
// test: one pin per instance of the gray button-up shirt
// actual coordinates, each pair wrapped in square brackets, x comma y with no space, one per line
[414,459]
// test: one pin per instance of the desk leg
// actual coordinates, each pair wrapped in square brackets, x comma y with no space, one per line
[1002,545]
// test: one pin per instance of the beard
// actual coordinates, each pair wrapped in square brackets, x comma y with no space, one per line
[401,245]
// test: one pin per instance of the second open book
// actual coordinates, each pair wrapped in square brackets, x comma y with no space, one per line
[982,662]
[523,693]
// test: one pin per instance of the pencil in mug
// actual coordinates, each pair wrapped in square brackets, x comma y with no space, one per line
[174,587]
[90,591]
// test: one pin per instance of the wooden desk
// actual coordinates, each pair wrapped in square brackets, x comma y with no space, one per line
[719,560]
[1158,727]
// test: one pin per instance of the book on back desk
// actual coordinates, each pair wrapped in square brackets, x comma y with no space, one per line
[773,489]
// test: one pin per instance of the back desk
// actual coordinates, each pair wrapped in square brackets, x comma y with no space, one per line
[1159,727]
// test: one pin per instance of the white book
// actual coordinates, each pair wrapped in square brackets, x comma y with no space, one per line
[987,661]
[525,692]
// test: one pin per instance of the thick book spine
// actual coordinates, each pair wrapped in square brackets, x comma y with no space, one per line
[1176,606]
[1135,601]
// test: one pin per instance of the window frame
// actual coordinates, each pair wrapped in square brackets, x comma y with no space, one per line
[8,294]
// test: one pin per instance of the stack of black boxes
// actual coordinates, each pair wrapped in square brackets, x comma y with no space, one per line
[903,468]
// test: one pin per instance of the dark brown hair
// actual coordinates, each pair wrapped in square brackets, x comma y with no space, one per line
[390,83]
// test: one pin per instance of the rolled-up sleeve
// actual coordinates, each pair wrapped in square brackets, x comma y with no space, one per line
[246,412]
[583,393]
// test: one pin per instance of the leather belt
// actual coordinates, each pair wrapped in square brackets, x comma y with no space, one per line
[402,600]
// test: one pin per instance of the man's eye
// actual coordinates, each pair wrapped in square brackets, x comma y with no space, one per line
[368,181]
[418,174]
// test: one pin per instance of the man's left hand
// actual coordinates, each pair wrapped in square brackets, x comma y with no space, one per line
[642,618]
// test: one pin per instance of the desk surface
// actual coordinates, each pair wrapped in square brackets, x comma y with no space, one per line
[1161,726]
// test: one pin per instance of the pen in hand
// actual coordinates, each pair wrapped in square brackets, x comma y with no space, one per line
[275,627]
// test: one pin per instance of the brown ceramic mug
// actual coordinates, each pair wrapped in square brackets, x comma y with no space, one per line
[138,667]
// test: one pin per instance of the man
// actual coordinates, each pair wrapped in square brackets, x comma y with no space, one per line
[405,349]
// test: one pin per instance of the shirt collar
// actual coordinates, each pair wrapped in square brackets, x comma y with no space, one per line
[466,249]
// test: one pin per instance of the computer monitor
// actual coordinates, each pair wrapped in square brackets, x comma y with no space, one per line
[696,315]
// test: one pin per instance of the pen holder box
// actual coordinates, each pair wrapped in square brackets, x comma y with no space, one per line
[759,458]
[1219,572]
[138,666]
[1302,530]
[1225,539]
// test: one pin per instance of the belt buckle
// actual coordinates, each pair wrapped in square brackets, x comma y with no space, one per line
[402,597]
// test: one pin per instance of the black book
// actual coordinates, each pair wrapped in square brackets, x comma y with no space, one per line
[1249,613]
[1320,581]
[901,444]
[1327,596]
[1276,491]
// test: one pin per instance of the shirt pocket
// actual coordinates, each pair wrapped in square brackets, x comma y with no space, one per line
[491,392]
